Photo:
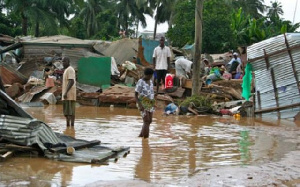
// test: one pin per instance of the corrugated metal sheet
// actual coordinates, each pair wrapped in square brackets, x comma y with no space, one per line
[10,76]
[26,131]
[75,54]
[122,50]
[27,97]
[280,62]
[56,40]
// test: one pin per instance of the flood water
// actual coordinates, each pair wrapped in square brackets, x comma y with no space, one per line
[178,147]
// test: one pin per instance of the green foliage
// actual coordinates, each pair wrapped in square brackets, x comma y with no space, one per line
[226,24]
[217,33]
[216,25]
[77,28]
[198,101]
[108,25]
[9,24]
[248,30]
[183,30]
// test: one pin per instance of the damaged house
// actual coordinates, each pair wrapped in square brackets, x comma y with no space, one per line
[276,65]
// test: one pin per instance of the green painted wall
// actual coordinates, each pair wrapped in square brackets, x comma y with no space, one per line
[94,71]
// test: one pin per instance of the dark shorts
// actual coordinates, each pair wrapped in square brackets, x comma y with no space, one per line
[161,75]
[69,108]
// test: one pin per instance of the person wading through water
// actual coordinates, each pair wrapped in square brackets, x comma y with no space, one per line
[144,96]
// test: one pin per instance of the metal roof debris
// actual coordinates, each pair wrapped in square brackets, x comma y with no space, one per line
[276,63]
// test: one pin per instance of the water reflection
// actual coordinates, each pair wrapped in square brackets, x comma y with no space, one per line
[244,147]
[144,166]
[69,131]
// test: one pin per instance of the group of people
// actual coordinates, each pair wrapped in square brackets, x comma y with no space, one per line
[232,70]
[144,90]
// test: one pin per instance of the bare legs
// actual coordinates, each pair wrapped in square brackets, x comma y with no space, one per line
[70,120]
[147,120]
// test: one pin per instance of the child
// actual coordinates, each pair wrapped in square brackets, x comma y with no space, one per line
[144,96]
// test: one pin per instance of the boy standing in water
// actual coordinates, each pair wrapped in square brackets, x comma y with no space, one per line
[144,96]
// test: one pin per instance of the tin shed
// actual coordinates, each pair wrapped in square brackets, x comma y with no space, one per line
[276,64]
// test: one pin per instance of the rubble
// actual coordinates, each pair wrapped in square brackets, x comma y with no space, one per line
[21,134]
[37,77]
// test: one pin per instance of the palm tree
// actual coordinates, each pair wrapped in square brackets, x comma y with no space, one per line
[145,7]
[36,12]
[164,12]
[89,15]
[130,11]
[275,10]
[255,8]
[22,8]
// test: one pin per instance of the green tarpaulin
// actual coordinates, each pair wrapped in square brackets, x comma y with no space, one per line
[94,71]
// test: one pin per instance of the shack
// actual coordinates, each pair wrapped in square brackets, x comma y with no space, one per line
[276,65]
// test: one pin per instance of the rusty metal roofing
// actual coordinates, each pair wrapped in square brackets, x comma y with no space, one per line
[6,39]
[276,63]
[27,97]
[10,76]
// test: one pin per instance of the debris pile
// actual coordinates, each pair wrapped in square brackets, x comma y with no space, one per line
[20,134]
[32,72]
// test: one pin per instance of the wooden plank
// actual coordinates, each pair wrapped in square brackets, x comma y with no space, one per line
[292,62]
[274,53]
[20,148]
[188,84]
[266,59]
[178,93]
[259,102]
[6,156]
[277,108]
[77,146]
[275,90]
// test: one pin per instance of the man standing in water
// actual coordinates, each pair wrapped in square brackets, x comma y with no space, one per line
[144,96]
[69,92]
[161,61]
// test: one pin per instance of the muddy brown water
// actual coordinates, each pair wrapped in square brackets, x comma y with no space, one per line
[178,147]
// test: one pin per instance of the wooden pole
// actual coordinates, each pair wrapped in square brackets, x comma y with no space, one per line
[273,81]
[274,53]
[275,91]
[198,44]
[293,63]
[259,101]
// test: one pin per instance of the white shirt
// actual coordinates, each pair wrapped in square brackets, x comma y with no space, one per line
[233,59]
[183,64]
[69,73]
[161,55]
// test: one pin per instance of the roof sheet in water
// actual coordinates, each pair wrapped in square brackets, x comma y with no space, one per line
[280,62]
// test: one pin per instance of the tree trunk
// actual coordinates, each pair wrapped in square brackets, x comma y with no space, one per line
[24,24]
[155,28]
[137,28]
[198,44]
[37,29]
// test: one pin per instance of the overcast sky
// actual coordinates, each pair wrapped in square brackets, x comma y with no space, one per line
[288,7]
